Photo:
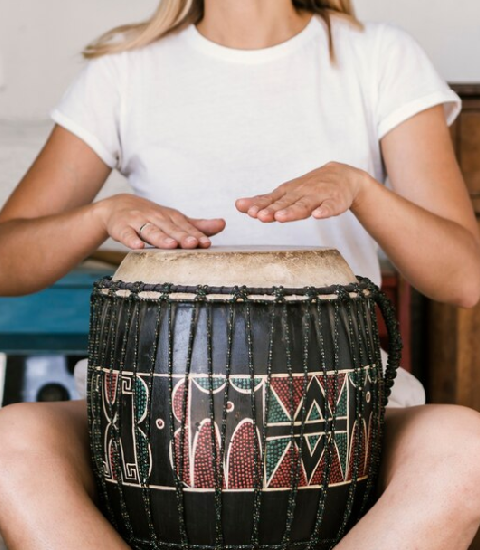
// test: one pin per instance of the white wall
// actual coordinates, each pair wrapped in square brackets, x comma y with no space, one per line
[40,41]
[449,30]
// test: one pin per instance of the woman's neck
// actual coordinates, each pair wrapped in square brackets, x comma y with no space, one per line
[251,24]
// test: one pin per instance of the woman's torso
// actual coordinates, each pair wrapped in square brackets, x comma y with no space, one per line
[204,125]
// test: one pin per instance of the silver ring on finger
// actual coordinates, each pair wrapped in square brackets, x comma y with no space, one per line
[143,227]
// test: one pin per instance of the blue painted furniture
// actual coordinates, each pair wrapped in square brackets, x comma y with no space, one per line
[54,321]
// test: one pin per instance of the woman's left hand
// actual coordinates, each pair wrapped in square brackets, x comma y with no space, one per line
[325,192]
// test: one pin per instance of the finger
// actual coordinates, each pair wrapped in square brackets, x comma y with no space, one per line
[177,228]
[328,209]
[152,234]
[208,227]
[253,205]
[129,237]
[268,214]
[299,210]
[185,225]
[180,233]
[242,205]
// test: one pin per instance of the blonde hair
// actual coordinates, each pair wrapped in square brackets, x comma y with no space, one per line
[173,14]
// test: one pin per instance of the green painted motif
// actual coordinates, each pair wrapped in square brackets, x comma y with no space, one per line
[276,413]
[204,382]
[313,440]
[141,399]
[245,382]
[315,413]
[144,458]
[341,440]
[342,405]
[275,450]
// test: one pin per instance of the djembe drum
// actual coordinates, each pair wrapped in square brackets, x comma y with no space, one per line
[236,398]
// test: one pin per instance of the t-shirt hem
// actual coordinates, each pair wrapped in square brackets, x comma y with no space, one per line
[93,142]
[453,106]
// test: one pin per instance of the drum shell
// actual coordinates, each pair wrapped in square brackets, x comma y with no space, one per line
[142,350]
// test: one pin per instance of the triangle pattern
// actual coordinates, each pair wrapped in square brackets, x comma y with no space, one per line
[289,466]
[313,442]
[276,412]
[357,451]
[341,442]
[330,383]
[289,389]
[336,475]
[275,451]
[315,413]
[342,403]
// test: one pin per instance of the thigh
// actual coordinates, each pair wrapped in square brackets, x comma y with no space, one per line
[423,436]
[55,431]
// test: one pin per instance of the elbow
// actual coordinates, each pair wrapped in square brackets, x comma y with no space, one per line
[468,302]
[468,282]
[468,295]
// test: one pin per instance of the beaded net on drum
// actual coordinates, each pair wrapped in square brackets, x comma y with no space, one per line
[216,411]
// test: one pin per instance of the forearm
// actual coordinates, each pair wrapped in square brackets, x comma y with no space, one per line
[36,252]
[439,257]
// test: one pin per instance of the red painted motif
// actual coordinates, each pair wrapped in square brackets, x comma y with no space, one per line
[241,464]
[288,468]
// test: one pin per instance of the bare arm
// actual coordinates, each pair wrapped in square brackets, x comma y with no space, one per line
[49,224]
[426,225]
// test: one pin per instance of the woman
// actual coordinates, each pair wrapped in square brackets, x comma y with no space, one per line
[251,99]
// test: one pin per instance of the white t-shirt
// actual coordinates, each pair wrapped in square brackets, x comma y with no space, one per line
[195,125]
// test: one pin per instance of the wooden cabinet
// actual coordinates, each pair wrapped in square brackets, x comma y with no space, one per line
[454,334]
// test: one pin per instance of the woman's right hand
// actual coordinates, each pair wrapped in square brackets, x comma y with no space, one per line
[123,216]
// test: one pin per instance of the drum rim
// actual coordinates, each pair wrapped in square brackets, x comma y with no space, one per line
[364,288]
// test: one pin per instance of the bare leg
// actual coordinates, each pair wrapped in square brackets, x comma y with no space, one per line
[430,477]
[431,474]
[46,484]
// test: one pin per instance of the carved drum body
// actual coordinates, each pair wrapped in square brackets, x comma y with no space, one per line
[238,414]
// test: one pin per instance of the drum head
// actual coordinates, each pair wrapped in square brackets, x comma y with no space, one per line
[253,267]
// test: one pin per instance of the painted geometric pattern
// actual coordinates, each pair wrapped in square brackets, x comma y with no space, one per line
[301,424]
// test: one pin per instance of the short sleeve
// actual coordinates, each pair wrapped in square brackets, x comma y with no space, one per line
[90,109]
[407,81]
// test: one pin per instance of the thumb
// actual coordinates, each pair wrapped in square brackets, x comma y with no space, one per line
[209,227]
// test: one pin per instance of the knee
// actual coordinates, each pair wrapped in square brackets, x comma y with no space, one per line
[448,454]
[24,431]
[452,433]
[43,437]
